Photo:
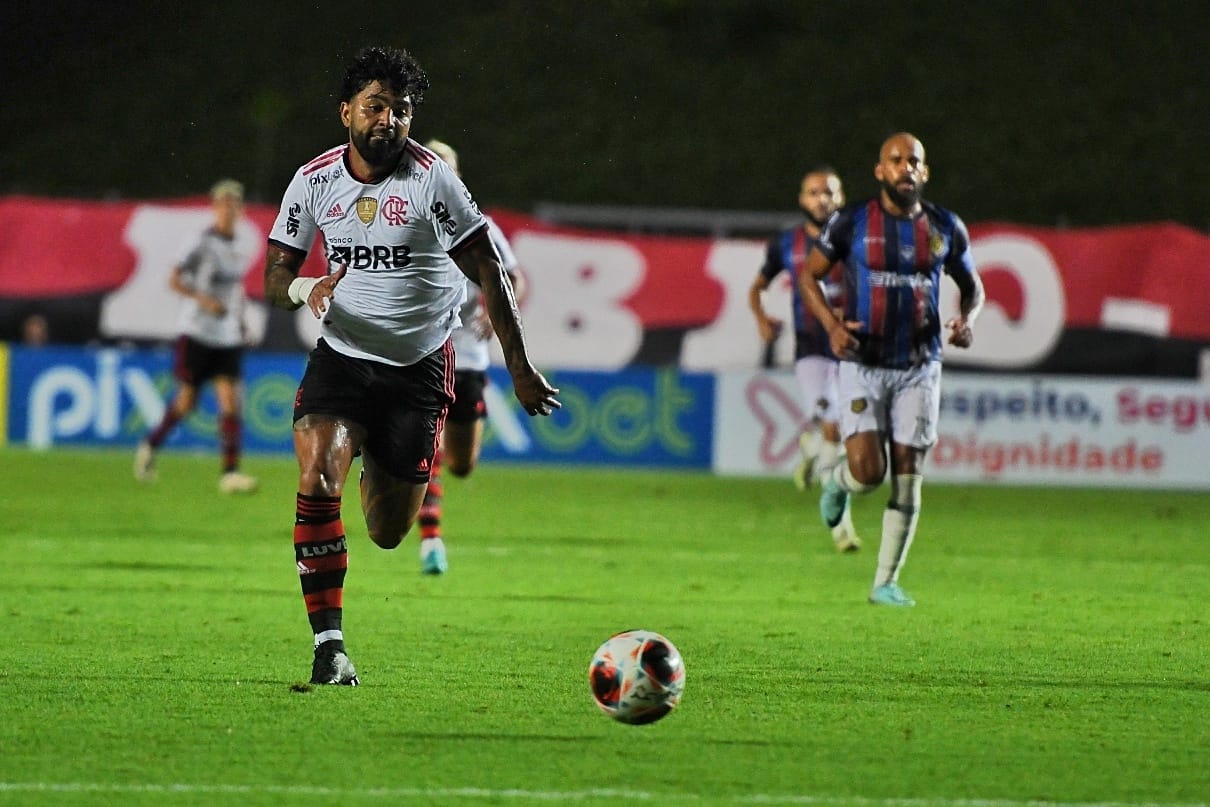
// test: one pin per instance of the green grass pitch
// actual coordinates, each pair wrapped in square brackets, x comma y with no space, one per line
[153,637]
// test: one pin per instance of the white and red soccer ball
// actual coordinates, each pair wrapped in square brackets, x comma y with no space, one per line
[636,676]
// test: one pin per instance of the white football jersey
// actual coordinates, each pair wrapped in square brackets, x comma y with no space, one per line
[399,300]
[471,351]
[215,266]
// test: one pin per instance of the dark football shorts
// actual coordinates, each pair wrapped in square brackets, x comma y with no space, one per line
[401,408]
[469,404]
[196,363]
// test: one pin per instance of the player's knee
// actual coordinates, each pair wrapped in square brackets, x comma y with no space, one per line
[318,481]
[859,480]
[388,536]
[459,467]
[866,471]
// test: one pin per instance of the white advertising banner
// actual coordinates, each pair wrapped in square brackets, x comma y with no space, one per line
[1029,430]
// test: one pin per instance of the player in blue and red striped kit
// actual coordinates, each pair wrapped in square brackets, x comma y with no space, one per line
[815,367]
[895,248]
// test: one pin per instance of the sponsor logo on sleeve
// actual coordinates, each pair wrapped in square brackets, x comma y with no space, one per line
[444,220]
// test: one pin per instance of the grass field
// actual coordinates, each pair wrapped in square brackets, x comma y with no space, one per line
[152,635]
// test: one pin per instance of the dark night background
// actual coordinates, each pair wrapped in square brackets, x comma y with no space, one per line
[1046,113]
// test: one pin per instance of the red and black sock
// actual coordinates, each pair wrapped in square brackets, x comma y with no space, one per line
[323,559]
[160,433]
[229,437]
[430,509]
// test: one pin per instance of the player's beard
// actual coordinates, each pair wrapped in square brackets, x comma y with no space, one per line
[377,151]
[817,222]
[902,200]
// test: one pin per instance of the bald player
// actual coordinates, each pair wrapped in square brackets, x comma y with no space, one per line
[895,247]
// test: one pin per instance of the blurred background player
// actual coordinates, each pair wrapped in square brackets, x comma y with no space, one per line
[35,331]
[210,347]
[895,247]
[820,194]
[462,438]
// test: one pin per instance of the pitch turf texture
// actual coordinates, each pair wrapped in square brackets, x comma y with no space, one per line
[154,643]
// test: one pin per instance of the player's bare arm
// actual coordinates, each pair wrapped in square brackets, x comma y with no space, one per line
[210,305]
[840,332]
[969,305]
[769,327]
[285,289]
[281,267]
[479,262]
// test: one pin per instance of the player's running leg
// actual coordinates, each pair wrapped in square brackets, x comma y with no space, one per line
[177,410]
[898,529]
[432,547]
[809,457]
[913,414]
[230,431]
[324,447]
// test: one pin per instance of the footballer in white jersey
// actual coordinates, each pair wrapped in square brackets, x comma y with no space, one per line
[401,292]
[213,267]
[401,235]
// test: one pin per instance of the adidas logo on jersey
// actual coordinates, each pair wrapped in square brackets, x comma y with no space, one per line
[334,212]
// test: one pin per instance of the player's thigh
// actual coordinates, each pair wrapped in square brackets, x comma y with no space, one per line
[461,443]
[817,383]
[389,503]
[331,419]
[862,394]
[916,406]
[863,397]
[409,408]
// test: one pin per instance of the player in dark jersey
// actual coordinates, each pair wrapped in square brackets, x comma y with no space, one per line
[402,234]
[895,247]
[820,194]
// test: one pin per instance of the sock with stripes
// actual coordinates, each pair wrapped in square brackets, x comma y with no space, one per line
[160,433]
[430,510]
[322,557]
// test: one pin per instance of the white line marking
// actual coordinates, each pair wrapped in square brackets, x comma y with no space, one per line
[548,795]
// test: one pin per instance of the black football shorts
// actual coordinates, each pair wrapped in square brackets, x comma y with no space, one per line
[469,404]
[402,409]
[196,363]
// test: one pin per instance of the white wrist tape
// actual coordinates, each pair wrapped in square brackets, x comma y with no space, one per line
[300,289]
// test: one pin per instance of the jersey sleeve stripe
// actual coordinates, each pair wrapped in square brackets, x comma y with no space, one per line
[478,232]
[423,157]
[327,158]
[286,247]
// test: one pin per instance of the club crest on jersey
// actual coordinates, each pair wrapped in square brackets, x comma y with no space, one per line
[395,211]
[936,244]
[859,405]
[367,208]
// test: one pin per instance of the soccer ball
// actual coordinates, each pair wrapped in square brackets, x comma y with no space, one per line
[636,676]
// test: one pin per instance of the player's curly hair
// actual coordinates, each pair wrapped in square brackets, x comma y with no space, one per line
[392,67]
